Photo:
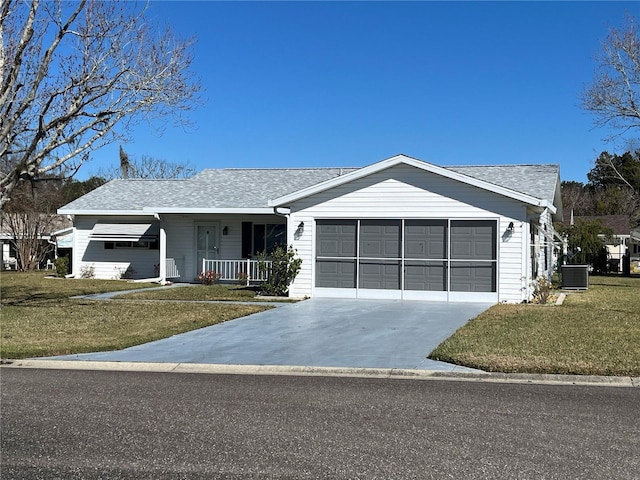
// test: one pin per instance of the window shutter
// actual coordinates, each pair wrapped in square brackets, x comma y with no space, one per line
[246,240]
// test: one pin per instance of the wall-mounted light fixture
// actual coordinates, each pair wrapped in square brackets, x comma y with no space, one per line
[508,233]
[298,233]
[225,231]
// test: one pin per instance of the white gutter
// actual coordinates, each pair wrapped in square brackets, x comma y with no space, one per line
[105,212]
[152,211]
[178,210]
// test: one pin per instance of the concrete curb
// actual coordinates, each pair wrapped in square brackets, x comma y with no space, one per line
[389,373]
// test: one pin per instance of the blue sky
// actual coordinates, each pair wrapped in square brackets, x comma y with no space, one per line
[312,84]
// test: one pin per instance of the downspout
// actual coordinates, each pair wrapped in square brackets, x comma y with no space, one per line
[162,244]
[287,215]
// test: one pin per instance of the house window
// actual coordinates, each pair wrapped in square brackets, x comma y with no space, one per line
[142,244]
[262,237]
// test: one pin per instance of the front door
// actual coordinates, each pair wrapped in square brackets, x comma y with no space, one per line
[206,244]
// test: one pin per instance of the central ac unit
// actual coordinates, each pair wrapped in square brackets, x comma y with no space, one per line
[575,277]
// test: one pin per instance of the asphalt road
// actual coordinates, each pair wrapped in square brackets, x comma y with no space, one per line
[111,425]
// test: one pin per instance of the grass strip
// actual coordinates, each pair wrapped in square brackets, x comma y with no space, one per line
[205,293]
[595,332]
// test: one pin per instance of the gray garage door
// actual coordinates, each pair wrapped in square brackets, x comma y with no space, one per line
[406,258]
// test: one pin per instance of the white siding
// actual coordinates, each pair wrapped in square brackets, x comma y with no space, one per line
[406,192]
[512,254]
[109,264]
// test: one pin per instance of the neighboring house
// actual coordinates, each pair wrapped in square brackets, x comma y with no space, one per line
[400,228]
[32,234]
[621,241]
[9,260]
[634,250]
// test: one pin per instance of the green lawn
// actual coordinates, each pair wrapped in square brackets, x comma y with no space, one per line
[594,332]
[37,317]
[217,292]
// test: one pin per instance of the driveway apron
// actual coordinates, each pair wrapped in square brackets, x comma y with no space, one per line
[318,332]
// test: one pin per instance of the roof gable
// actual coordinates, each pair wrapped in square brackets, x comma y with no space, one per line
[466,175]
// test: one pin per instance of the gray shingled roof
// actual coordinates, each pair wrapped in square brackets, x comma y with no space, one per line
[252,188]
[214,188]
[539,181]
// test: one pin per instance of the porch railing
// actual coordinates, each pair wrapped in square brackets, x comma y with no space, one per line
[235,270]
[172,268]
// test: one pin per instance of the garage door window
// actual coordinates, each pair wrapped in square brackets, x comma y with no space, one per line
[418,255]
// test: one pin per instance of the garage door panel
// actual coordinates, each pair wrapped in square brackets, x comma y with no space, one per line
[336,273]
[379,275]
[380,238]
[425,239]
[473,277]
[336,238]
[473,239]
[425,276]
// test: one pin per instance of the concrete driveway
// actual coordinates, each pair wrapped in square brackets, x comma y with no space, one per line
[318,332]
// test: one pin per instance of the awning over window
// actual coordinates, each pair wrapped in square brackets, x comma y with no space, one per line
[125,232]
[64,241]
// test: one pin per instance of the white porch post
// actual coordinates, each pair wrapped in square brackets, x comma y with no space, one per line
[75,257]
[163,253]
[526,258]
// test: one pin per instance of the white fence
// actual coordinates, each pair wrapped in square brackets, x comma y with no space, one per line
[234,270]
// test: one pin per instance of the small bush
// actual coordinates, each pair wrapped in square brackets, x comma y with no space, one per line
[285,266]
[209,277]
[62,266]
[243,278]
[87,271]
[542,288]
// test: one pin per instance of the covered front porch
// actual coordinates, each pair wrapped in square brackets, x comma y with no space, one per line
[226,245]
[176,247]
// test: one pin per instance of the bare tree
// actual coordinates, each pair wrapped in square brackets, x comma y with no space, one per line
[77,76]
[613,97]
[29,219]
[576,199]
[146,167]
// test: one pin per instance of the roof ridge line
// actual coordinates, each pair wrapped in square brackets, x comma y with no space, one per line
[277,168]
